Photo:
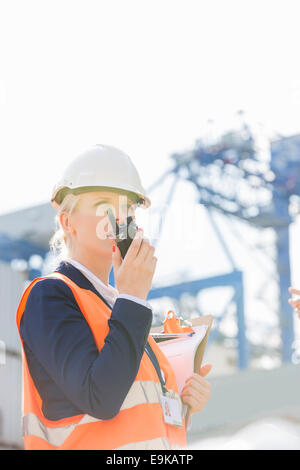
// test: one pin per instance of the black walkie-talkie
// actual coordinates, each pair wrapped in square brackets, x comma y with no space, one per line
[124,239]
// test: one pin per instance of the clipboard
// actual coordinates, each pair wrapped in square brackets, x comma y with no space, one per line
[205,320]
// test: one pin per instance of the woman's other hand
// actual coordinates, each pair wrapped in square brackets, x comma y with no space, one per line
[295,303]
[196,391]
[134,274]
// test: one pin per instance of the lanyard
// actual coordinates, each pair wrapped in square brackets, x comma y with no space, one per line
[155,363]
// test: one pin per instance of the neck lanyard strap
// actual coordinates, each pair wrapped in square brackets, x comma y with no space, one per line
[155,363]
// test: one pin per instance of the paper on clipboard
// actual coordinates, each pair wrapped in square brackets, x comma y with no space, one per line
[185,353]
[190,356]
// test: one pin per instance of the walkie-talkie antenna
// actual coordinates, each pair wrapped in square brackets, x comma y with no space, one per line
[113,222]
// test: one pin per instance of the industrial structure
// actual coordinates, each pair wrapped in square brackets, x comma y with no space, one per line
[233,177]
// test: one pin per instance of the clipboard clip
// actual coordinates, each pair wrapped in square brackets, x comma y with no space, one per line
[173,324]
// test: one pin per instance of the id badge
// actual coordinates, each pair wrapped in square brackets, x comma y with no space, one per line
[171,407]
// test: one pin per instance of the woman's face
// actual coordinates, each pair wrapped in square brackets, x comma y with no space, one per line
[88,225]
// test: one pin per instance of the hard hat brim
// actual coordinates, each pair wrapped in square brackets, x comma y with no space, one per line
[60,193]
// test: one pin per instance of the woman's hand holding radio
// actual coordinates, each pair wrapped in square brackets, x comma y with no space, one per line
[134,274]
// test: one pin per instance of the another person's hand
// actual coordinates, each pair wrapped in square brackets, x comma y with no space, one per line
[295,303]
[196,391]
[134,274]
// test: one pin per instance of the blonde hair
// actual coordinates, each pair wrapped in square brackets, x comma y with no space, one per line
[59,242]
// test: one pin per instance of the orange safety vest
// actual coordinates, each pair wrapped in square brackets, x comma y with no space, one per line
[139,423]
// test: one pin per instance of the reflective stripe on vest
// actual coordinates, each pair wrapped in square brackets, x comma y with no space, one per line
[140,392]
[56,436]
[139,424]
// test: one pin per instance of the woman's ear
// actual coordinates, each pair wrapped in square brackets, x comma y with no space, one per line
[65,222]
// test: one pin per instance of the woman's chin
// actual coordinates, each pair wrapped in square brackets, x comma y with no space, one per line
[106,249]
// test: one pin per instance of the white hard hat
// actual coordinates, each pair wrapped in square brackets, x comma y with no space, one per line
[100,167]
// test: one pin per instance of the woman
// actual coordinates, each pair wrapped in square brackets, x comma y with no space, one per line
[93,376]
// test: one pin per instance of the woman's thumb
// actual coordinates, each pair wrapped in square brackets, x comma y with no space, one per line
[205,369]
[116,257]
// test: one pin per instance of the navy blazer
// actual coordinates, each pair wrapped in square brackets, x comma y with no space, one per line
[70,374]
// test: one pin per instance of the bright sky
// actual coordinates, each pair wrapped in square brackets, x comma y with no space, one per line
[142,76]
